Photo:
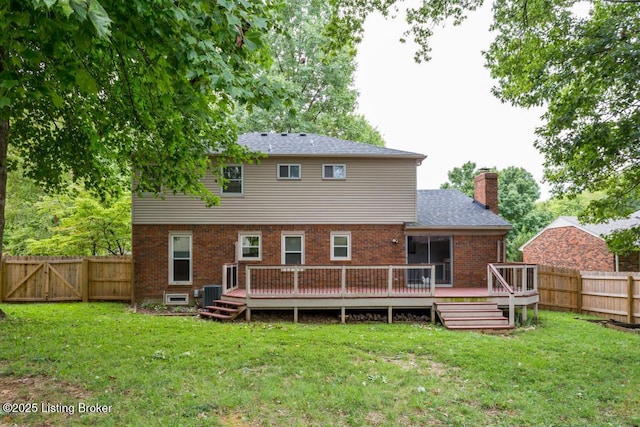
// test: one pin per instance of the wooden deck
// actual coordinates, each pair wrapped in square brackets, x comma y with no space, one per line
[324,301]
[510,286]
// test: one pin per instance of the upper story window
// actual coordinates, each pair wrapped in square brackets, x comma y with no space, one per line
[180,258]
[334,171]
[250,247]
[233,177]
[289,171]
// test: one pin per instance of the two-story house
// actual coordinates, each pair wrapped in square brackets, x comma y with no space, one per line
[317,201]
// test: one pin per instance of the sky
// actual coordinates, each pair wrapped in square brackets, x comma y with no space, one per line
[443,108]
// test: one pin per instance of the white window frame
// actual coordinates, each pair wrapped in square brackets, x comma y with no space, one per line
[288,166]
[335,234]
[333,169]
[226,192]
[283,245]
[241,235]
[172,280]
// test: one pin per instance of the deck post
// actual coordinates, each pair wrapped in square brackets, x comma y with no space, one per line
[489,280]
[247,314]
[432,281]
[295,314]
[343,280]
[247,279]
[512,319]
[390,281]
[524,314]
[343,315]
[390,314]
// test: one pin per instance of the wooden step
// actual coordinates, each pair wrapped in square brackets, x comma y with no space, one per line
[216,315]
[470,313]
[471,321]
[480,327]
[475,305]
[229,303]
[223,310]
[219,308]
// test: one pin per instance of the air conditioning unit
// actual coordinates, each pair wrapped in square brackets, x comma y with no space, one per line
[176,299]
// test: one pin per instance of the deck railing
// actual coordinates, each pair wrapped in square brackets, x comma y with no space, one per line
[340,281]
[512,279]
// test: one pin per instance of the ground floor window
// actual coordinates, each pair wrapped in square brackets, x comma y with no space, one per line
[180,258]
[293,248]
[432,250]
[340,246]
[250,247]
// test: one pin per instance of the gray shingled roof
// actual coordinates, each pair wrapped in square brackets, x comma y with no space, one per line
[453,209]
[607,228]
[307,144]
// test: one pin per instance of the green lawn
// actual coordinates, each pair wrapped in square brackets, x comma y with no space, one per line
[150,370]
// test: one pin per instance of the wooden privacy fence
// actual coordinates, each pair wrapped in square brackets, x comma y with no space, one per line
[607,294]
[42,279]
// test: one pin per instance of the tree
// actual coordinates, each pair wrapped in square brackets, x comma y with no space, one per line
[90,89]
[583,68]
[80,224]
[319,83]
[578,60]
[518,192]
[461,178]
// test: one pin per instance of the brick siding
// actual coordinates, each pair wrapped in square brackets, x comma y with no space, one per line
[471,254]
[569,247]
[214,245]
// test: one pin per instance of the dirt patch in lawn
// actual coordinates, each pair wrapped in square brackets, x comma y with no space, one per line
[26,399]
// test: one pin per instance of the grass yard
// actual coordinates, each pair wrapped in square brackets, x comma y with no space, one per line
[101,364]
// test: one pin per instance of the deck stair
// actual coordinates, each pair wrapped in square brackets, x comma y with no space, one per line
[471,315]
[223,310]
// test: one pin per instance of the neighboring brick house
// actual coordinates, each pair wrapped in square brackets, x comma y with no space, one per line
[316,200]
[570,244]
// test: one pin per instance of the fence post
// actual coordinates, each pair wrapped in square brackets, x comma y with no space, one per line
[84,279]
[3,277]
[132,280]
[579,292]
[630,299]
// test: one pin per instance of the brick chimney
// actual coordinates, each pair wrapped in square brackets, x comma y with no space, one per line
[485,190]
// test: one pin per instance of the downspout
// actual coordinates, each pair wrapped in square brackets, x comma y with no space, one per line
[617,261]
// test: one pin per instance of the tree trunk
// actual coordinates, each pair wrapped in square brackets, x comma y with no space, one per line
[4,144]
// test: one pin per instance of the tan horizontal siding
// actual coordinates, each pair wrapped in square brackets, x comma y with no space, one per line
[376,191]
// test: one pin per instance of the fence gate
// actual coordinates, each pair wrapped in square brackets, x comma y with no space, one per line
[42,280]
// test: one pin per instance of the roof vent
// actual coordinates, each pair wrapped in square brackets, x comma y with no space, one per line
[284,134]
[303,134]
[264,134]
